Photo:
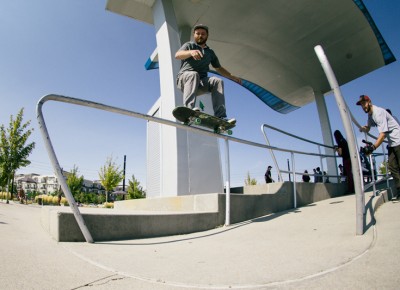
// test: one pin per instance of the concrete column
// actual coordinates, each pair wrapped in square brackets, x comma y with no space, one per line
[327,135]
[189,163]
[173,173]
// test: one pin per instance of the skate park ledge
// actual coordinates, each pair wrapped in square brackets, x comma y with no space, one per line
[165,216]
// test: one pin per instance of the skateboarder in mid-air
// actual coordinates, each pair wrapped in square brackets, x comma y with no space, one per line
[193,79]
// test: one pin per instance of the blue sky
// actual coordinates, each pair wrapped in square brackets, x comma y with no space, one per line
[78,49]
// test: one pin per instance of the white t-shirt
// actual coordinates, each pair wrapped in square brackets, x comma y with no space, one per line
[385,123]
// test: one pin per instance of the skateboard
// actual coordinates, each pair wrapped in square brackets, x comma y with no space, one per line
[189,117]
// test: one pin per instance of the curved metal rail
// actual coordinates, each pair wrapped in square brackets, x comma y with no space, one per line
[263,126]
[99,106]
[96,105]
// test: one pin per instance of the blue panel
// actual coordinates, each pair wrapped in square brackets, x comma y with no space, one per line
[151,64]
[386,52]
[265,96]
[268,98]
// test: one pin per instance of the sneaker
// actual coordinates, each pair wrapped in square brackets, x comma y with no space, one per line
[230,121]
[196,109]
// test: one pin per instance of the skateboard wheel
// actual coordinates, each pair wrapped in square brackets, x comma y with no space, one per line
[197,121]
[229,132]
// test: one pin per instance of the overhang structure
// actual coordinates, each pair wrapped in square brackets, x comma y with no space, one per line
[270,44]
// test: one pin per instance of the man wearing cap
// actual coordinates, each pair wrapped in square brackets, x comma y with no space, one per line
[268,177]
[388,128]
[193,79]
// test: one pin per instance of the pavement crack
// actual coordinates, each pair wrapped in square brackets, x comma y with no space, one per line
[101,281]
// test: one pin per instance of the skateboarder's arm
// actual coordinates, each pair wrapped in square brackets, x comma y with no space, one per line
[184,54]
[222,71]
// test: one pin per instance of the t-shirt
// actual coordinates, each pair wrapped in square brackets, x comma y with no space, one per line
[202,66]
[385,123]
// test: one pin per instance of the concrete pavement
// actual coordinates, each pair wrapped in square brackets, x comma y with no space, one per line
[312,247]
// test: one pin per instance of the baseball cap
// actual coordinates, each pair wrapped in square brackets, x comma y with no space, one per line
[363,98]
[270,166]
[205,27]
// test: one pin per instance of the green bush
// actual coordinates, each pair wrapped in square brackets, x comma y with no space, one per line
[49,200]
[108,205]
[3,195]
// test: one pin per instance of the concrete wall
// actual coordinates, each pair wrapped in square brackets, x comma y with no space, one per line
[107,226]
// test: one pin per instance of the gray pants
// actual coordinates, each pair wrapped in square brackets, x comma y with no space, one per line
[192,86]
[394,165]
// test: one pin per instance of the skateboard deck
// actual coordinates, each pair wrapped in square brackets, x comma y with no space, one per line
[190,117]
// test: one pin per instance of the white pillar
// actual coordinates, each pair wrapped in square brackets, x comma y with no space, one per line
[327,134]
[189,163]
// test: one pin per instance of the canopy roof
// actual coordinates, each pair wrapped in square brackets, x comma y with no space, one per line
[271,43]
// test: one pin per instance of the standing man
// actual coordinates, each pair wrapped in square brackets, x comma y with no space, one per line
[317,175]
[388,128]
[268,177]
[193,79]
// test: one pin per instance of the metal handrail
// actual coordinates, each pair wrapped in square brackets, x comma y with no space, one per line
[87,103]
[91,104]
[372,184]
[263,126]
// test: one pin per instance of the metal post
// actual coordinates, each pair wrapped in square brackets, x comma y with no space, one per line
[272,154]
[371,161]
[227,186]
[386,171]
[59,174]
[123,182]
[294,182]
[345,116]
[321,162]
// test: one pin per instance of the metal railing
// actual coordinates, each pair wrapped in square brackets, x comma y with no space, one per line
[58,170]
[322,157]
[292,153]
[319,145]
[59,173]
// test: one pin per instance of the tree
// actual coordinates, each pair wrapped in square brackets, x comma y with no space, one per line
[14,151]
[382,167]
[74,182]
[135,190]
[110,176]
[249,180]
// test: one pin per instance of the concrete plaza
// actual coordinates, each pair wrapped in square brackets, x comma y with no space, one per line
[312,247]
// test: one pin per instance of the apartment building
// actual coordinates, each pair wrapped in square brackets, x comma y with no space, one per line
[48,184]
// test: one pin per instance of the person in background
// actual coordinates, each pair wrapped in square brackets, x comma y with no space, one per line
[390,112]
[21,195]
[306,176]
[342,149]
[326,178]
[365,165]
[268,176]
[317,175]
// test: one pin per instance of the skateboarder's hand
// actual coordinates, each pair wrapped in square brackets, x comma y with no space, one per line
[236,79]
[196,54]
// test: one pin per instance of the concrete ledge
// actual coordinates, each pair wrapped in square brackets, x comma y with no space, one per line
[108,224]
[155,217]
[197,203]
